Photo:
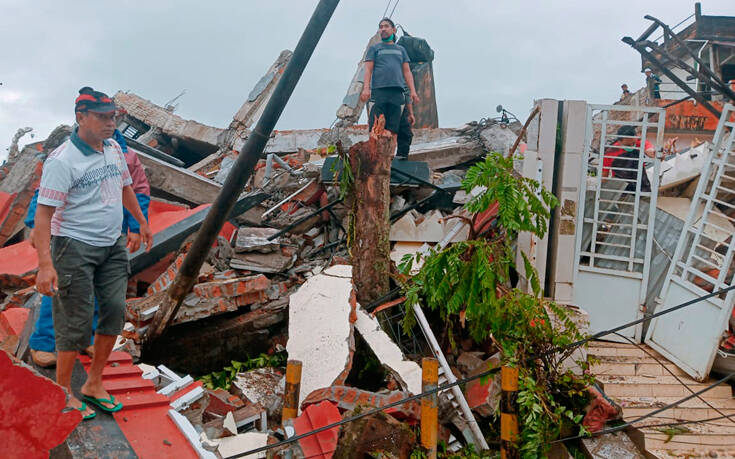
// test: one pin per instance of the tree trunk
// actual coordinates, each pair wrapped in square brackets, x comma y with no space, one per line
[370,195]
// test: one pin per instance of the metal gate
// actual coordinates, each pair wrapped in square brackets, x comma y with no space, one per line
[615,217]
[689,337]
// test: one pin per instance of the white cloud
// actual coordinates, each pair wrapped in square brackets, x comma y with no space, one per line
[487,52]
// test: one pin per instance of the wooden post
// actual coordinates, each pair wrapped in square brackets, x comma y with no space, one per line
[429,406]
[370,202]
[293,387]
[509,413]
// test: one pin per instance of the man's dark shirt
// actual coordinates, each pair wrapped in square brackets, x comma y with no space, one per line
[388,62]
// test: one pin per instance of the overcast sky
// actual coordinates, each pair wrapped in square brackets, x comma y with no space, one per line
[487,52]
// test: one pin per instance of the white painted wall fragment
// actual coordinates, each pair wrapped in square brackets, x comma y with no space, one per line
[407,372]
[319,332]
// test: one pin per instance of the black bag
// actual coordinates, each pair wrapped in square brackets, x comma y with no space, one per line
[417,48]
[629,160]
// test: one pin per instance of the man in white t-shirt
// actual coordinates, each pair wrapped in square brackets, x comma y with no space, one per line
[81,253]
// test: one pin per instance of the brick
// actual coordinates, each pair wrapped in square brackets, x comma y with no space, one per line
[221,402]
[348,398]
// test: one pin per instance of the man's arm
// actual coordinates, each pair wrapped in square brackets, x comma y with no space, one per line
[365,94]
[46,279]
[130,202]
[408,76]
[411,118]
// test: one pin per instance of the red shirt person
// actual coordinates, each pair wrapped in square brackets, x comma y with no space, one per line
[626,146]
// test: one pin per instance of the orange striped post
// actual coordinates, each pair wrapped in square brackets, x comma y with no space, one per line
[293,387]
[429,406]
[509,413]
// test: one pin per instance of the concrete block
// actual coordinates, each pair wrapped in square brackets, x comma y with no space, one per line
[275,262]
[250,239]
[230,446]
[320,331]
[264,386]
[406,372]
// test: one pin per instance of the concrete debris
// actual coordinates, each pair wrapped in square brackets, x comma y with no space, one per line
[430,227]
[321,328]
[406,372]
[230,446]
[263,386]
[377,432]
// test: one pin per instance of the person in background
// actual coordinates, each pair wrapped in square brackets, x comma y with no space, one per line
[626,92]
[623,155]
[653,83]
[81,254]
[41,342]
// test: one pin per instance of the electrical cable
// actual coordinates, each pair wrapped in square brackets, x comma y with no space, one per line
[729,417]
[647,415]
[394,8]
[495,370]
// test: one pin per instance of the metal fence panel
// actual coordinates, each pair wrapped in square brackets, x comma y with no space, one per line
[613,243]
[701,264]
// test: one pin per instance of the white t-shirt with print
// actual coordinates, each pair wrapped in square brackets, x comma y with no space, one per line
[86,191]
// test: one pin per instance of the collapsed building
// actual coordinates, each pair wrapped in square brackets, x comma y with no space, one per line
[279,281]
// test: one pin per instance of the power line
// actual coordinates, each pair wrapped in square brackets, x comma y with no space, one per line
[648,415]
[529,359]
[717,410]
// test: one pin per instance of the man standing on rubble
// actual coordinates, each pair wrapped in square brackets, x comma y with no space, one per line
[386,74]
[81,253]
[41,341]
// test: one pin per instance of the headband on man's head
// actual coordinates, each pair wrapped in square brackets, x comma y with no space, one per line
[90,100]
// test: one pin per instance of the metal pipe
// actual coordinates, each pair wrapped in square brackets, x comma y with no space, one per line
[243,167]
[292,391]
[456,391]
[303,219]
[429,406]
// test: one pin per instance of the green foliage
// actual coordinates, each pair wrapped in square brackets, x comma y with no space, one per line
[223,379]
[467,283]
[523,203]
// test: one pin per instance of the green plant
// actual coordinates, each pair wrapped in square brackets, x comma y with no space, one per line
[468,284]
[223,379]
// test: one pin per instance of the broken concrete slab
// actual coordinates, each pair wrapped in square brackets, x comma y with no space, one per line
[401,249]
[167,122]
[429,227]
[177,182]
[447,152]
[251,110]
[250,239]
[231,446]
[271,263]
[264,386]
[320,330]
[405,371]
